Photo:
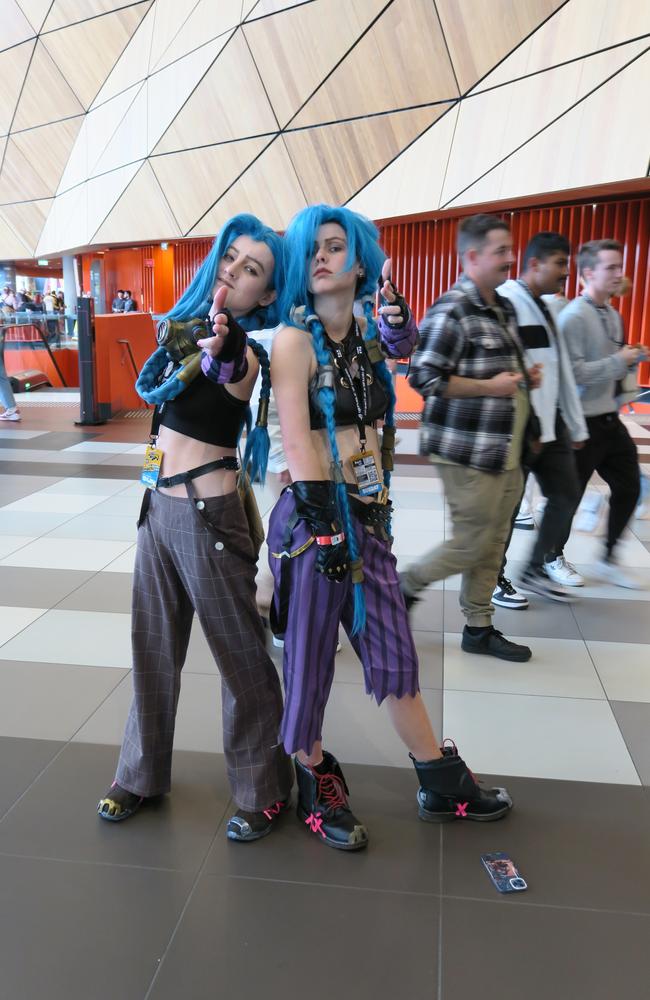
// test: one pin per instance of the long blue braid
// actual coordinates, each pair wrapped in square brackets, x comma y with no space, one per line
[326,401]
[256,454]
[382,371]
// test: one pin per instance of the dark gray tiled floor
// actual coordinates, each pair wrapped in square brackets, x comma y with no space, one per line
[103,592]
[508,950]
[13,487]
[173,909]
[247,938]
[404,855]
[625,621]
[71,931]
[22,761]
[542,618]
[174,832]
[52,441]
[633,718]
[576,844]
[23,587]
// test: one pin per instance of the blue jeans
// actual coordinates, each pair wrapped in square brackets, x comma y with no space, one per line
[6,394]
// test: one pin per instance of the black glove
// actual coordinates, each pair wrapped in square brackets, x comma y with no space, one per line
[400,301]
[316,504]
[234,345]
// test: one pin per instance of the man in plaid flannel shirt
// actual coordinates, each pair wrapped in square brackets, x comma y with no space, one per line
[469,367]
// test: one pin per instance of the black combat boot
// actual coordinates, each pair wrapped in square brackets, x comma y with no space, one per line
[245,826]
[448,791]
[323,805]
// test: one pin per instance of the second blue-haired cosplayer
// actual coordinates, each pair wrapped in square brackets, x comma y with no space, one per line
[178,359]
[329,534]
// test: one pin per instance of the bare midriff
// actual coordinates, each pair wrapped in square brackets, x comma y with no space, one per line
[182,453]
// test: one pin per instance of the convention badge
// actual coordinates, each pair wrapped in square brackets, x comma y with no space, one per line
[151,468]
[366,473]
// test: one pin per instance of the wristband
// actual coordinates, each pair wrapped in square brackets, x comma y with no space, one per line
[330,539]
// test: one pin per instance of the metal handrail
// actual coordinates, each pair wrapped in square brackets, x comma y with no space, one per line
[133,364]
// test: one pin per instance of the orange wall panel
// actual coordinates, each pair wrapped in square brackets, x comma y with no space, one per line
[115,374]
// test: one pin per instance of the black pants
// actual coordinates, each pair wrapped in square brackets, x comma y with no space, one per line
[611,452]
[556,473]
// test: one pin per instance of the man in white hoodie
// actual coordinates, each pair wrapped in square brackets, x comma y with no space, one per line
[557,405]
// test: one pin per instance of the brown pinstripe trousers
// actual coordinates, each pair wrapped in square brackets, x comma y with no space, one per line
[183,565]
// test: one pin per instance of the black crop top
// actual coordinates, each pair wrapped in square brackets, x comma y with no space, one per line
[206,412]
[345,411]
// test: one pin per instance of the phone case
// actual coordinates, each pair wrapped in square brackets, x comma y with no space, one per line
[503,872]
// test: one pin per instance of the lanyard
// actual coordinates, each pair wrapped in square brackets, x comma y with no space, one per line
[361,401]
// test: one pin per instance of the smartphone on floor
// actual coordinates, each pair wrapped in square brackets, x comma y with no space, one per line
[503,872]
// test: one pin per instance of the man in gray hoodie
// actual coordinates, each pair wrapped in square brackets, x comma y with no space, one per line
[557,405]
[595,339]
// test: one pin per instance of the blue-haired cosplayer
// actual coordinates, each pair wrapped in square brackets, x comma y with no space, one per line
[329,534]
[195,554]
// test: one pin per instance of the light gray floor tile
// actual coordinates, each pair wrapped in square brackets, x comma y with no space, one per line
[50,701]
[98,639]
[198,723]
[123,529]
[623,669]
[18,522]
[67,553]
[568,739]
[559,668]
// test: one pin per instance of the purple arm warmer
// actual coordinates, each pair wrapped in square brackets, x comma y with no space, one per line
[223,372]
[398,341]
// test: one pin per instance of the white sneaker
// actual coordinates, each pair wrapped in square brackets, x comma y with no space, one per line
[612,572]
[540,506]
[11,414]
[564,573]
[277,641]
[586,520]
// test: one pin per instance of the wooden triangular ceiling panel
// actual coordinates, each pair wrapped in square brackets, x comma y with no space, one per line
[86,52]
[57,140]
[494,123]
[289,61]
[413,182]
[27,220]
[46,96]
[334,161]
[229,103]
[593,156]
[372,80]
[15,26]
[11,246]
[479,34]
[13,67]
[269,189]
[576,29]
[66,12]
[131,67]
[142,210]
[35,11]
[194,179]
[200,27]
[261,8]
[19,177]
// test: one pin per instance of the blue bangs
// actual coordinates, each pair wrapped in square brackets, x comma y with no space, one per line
[197,297]
[363,248]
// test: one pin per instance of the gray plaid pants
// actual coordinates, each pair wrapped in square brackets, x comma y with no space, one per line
[182,566]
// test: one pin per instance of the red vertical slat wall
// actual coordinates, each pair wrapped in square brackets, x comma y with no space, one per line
[425,262]
[188,257]
[147,278]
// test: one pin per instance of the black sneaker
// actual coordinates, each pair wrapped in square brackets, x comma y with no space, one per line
[506,596]
[537,581]
[449,791]
[323,805]
[245,826]
[490,642]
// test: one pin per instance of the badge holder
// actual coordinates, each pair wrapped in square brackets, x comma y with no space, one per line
[151,468]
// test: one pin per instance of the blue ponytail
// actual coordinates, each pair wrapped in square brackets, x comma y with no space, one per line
[326,401]
[256,454]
